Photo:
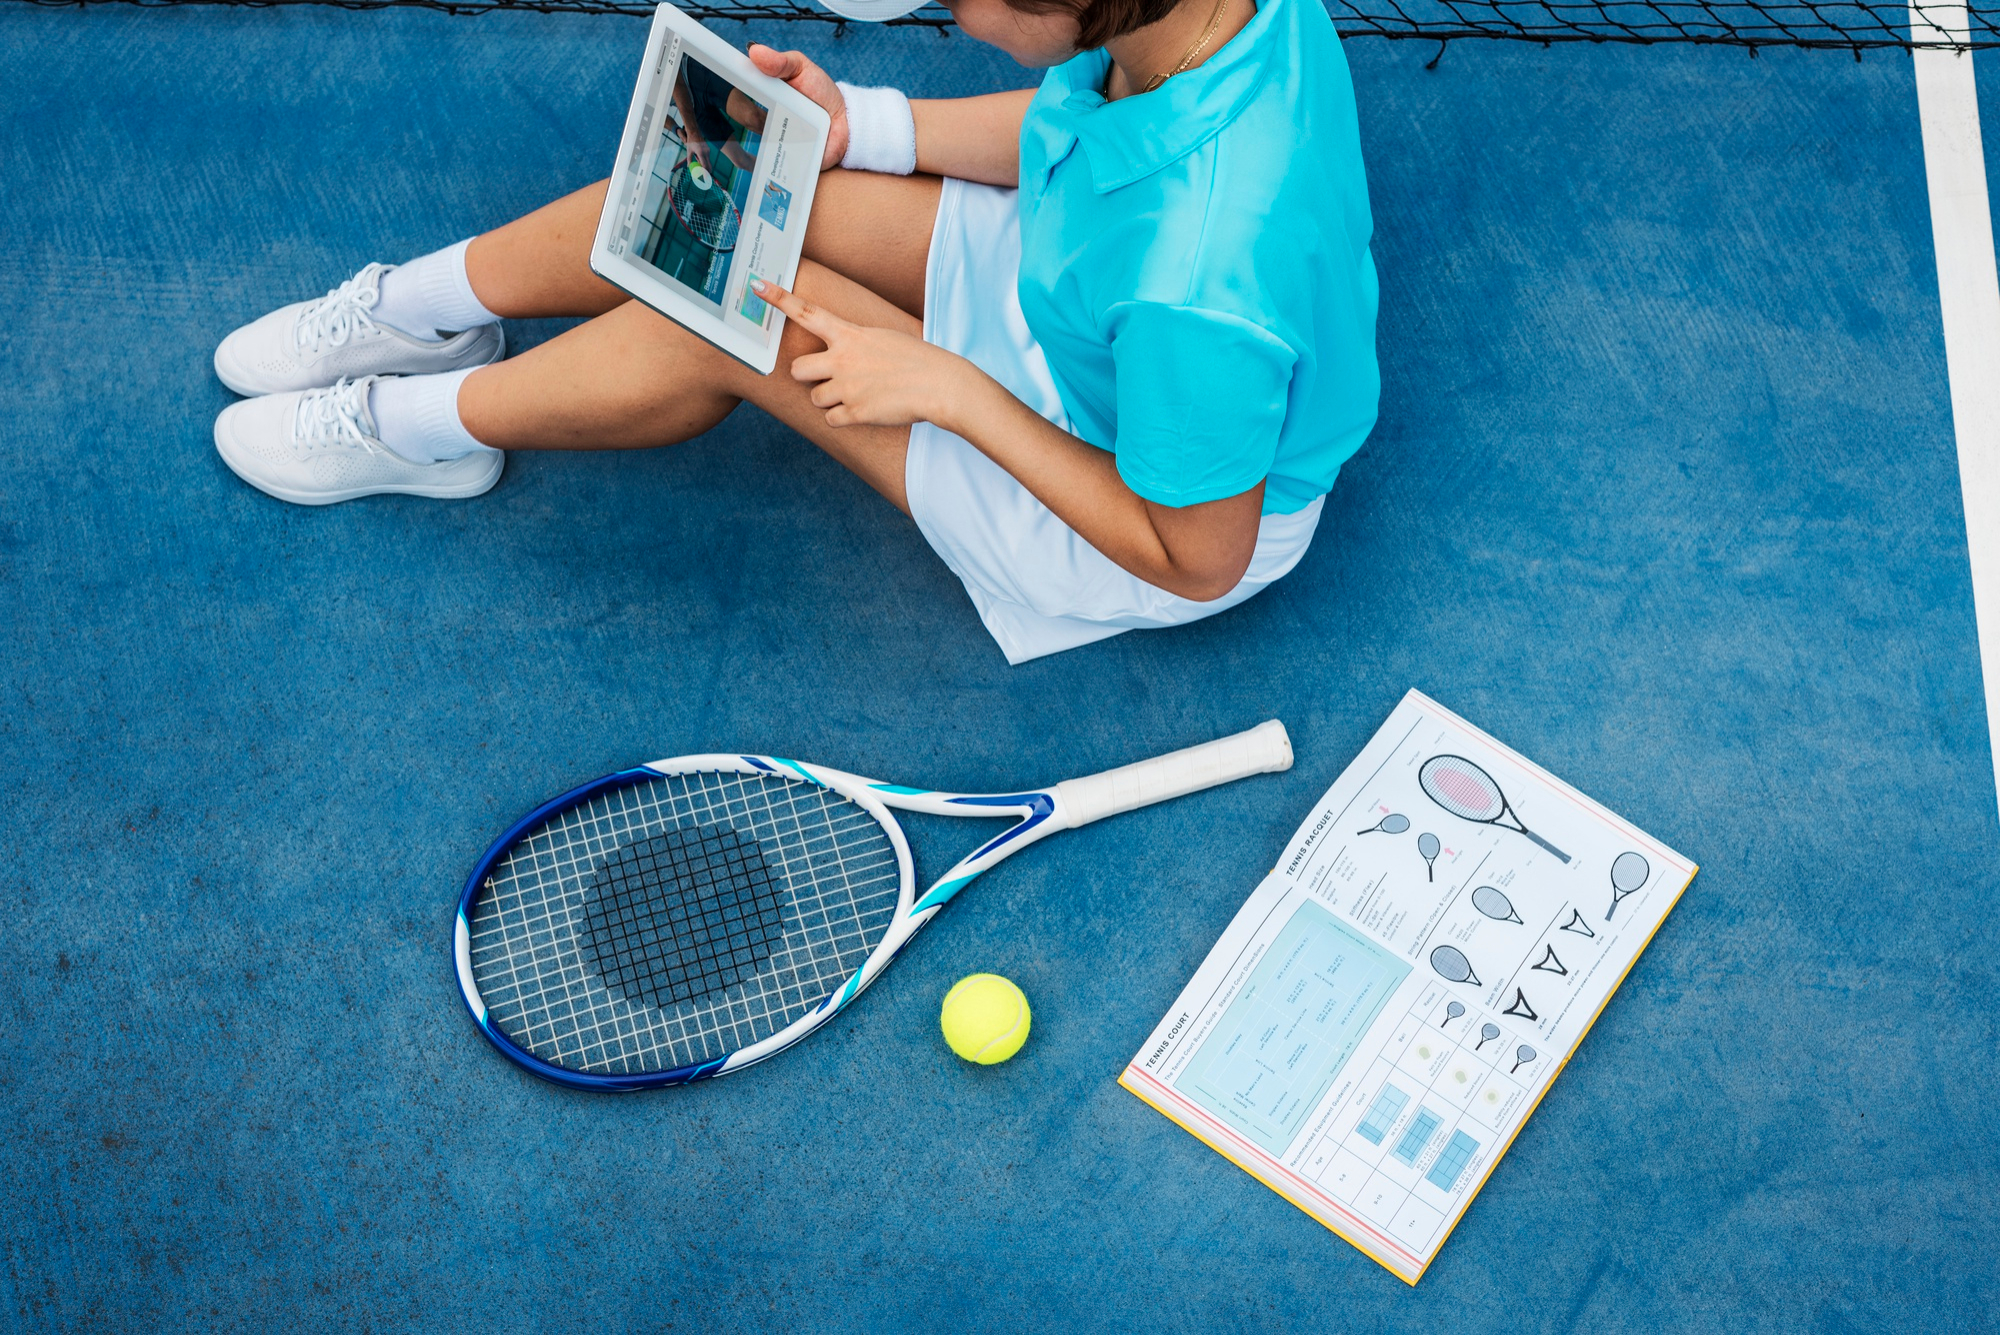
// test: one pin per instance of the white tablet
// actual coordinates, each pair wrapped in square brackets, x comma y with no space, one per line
[714,181]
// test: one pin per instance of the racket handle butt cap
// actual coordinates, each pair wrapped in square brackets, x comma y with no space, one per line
[1264,749]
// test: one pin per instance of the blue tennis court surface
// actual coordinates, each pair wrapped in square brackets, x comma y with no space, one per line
[1664,496]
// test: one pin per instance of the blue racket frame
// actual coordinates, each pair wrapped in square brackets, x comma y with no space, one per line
[1040,812]
[1037,812]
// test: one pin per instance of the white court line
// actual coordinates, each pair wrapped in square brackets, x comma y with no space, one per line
[1969,292]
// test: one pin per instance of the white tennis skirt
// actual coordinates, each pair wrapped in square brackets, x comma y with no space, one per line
[1038,586]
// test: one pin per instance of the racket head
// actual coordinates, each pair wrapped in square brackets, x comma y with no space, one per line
[1462,788]
[1629,872]
[679,920]
[1493,902]
[1452,965]
[707,212]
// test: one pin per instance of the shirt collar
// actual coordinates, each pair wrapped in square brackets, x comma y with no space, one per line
[1136,136]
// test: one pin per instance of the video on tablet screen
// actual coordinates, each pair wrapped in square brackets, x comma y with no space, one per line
[712,208]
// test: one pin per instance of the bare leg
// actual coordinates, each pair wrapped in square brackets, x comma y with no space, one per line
[633,379]
[877,231]
[874,229]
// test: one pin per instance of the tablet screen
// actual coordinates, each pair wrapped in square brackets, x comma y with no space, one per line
[710,204]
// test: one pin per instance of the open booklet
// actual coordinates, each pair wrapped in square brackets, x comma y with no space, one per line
[1394,999]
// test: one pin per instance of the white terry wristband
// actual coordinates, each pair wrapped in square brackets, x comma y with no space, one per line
[881,131]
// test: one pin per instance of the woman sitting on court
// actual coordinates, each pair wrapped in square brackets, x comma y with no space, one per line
[1114,397]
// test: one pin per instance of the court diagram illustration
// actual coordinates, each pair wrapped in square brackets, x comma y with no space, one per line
[1420,1119]
[1382,1114]
[1417,1135]
[1457,1154]
[1292,1027]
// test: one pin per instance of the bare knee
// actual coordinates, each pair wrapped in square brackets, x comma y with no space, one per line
[628,379]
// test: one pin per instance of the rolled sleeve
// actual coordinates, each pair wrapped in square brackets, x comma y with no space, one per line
[1201,401]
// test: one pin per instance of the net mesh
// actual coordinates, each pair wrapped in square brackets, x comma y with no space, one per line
[678,920]
[1848,25]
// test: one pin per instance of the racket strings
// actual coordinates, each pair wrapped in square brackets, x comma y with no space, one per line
[709,215]
[681,915]
[1461,788]
[531,926]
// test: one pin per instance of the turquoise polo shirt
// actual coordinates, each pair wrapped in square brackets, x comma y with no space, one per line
[1194,263]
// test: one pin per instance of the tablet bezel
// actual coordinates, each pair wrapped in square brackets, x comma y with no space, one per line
[639,279]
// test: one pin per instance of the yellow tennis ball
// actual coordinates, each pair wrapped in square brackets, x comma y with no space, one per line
[985,1018]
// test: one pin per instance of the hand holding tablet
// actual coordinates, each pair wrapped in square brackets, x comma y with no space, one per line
[712,188]
[798,73]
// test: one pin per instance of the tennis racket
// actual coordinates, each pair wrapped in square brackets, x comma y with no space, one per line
[690,917]
[709,214]
[1468,792]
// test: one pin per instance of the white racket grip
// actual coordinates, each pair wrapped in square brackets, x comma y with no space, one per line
[1264,749]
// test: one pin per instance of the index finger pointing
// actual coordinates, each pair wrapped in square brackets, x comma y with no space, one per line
[810,317]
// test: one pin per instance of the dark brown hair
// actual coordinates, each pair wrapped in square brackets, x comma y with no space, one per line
[1098,21]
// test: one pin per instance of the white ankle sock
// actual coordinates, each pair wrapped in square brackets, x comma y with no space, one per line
[431,296]
[417,416]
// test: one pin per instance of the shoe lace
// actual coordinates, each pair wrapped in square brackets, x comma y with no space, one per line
[332,418]
[342,313]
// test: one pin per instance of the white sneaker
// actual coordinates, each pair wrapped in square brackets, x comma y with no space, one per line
[309,344]
[318,446]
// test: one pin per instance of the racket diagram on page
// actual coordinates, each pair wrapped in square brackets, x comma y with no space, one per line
[1391,1002]
[1491,904]
[1467,791]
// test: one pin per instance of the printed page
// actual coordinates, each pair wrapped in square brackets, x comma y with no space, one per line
[1390,1004]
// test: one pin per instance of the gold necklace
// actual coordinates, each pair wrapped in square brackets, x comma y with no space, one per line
[1193,51]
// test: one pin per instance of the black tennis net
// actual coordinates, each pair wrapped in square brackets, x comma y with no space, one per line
[1844,25]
